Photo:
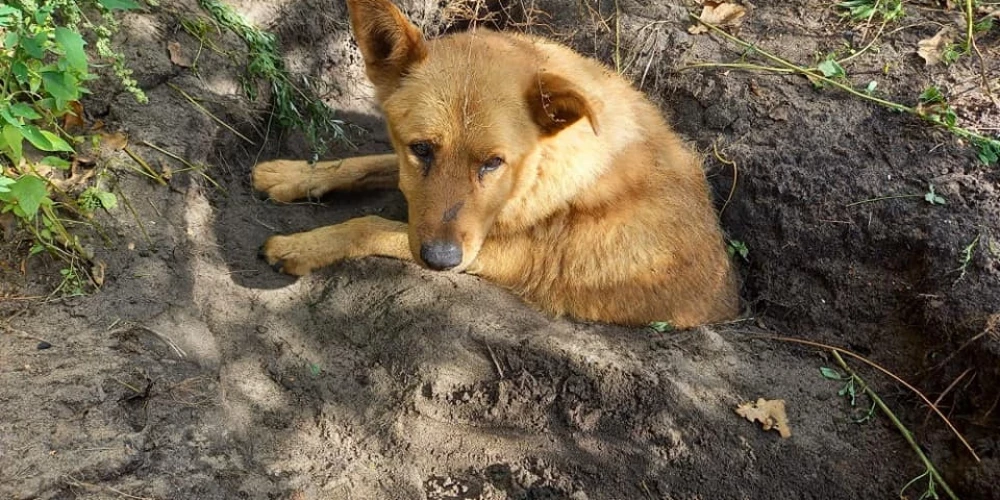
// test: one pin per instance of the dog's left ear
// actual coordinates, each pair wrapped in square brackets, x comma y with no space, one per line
[389,42]
[556,104]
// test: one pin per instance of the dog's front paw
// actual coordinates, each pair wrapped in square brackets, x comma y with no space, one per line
[285,180]
[291,255]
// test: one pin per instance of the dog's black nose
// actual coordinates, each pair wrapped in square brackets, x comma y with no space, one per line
[441,255]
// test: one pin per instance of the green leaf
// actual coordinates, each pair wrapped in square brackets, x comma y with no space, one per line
[932,197]
[872,85]
[988,151]
[10,41]
[14,141]
[662,326]
[737,247]
[830,373]
[931,95]
[56,162]
[831,69]
[20,70]
[56,143]
[4,183]
[28,192]
[45,140]
[108,200]
[72,45]
[62,86]
[24,110]
[119,4]
[34,47]
[9,16]
[9,118]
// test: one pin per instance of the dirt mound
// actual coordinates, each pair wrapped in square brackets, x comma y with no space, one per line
[198,372]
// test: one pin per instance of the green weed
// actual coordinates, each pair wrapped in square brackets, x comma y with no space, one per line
[662,326]
[868,10]
[849,391]
[44,70]
[965,258]
[293,107]
[737,247]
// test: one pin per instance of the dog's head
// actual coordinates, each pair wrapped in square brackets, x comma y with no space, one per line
[467,115]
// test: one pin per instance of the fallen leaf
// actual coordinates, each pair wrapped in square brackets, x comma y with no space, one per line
[770,414]
[114,141]
[97,272]
[177,55]
[75,118]
[722,14]
[932,49]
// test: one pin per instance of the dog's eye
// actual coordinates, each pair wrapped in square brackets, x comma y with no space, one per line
[490,165]
[423,150]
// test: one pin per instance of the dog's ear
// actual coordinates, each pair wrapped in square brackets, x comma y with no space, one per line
[556,104]
[390,43]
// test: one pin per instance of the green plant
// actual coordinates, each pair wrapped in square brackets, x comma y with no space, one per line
[662,326]
[737,247]
[44,70]
[966,257]
[293,107]
[934,107]
[849,391]
[933,198]
[831,68]
[867,10]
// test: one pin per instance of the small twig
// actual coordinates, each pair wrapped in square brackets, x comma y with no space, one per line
[209,113]
[883,198]
[495,361]
[866,47]
[743,66]
[899,425]
[736,173]
[991,324]
[618,39]
[187,164]
[149,172]
[946,391]
[135,215]
[166,340]
[80,484]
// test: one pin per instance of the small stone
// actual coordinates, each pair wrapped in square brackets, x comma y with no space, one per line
[44,345]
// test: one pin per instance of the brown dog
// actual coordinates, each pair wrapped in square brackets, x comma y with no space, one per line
[527,164]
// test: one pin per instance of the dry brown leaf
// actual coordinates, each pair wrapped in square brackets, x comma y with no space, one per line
[97,272]
[114,141]
[74,119]
[177,55]
[770,414]
[722,14]
[932,49]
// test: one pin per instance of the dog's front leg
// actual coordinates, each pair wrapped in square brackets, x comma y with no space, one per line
[299,254]
[290,180]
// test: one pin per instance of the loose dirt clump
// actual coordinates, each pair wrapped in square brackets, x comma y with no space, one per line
[198,372]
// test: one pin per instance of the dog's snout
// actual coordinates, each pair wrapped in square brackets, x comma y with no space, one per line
[440,255]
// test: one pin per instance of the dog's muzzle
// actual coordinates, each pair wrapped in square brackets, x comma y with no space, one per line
[441,255]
